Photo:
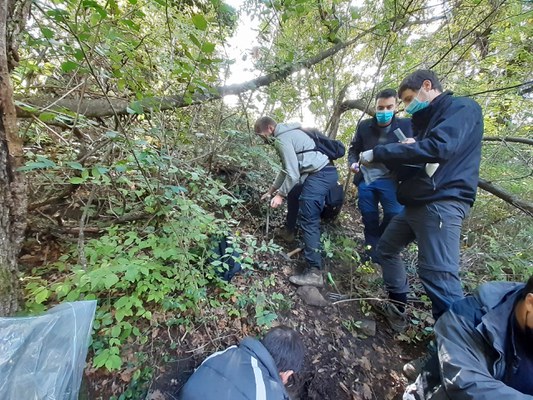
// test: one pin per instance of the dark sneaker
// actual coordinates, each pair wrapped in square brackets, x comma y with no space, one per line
[396,319]
[285,234]
[311,277]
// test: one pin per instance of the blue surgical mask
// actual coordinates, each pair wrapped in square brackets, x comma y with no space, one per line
[416,105]
[384,116]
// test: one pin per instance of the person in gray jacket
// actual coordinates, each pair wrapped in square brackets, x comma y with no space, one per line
[301,164]
[253,370]
[485,347]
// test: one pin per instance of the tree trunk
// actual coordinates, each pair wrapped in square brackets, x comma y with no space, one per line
[13,196]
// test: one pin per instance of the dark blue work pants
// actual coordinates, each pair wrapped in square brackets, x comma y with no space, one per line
[437,228]
[370,196]
[311,203]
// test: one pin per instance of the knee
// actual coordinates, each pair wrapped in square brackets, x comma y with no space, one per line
[310,210]
[384,250]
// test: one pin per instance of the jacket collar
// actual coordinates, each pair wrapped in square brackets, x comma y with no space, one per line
[498,300]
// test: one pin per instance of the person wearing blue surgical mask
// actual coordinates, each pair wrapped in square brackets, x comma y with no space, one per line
[438,178]
[376,184]
[417,101]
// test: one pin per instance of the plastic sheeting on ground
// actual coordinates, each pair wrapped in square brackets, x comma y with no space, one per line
[43,357]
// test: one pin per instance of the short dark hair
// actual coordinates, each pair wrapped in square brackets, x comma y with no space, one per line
[528,288]
[386,93]
[262,123]
[417,78]
[286,347]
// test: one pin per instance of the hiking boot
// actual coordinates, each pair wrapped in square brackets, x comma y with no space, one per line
[396,319]
[413,368]
[285,234]
[311,277]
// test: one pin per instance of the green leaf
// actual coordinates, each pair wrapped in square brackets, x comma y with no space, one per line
[100,360]
[42,296]
[195,40]
[135,108]
[114,362]
[115,331]
[111,280]
[208,47]
[47,116]
[199,22]
[76,180]
[75,165]
[47,33]
[111,134]
[68,66]
[78,54]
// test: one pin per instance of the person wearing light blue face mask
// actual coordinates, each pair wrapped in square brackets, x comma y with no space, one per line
[416,105]
[376,184]
[436,200]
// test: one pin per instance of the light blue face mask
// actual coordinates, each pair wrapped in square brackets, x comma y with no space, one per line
[384,116]
[416,105]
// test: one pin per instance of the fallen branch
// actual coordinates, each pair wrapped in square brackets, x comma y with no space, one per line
[101,107]
[509,198]
[508,139]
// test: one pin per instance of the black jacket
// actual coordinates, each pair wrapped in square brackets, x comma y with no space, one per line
[243,372]
[448,132]
[367,136]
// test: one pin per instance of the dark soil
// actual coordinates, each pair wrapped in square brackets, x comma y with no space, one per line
[341,362]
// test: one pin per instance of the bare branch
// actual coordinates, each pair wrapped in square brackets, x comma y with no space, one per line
[523,205]
[508,139]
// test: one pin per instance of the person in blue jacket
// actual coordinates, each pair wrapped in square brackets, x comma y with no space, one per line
[376,183]
[438,173]
[485,347]
[253,370]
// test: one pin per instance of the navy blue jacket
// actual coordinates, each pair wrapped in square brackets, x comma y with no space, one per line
[448,132]
[473,350]
[243,372]
[367,137]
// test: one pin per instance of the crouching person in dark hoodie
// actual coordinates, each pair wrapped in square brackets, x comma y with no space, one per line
[253,370]
[485,347]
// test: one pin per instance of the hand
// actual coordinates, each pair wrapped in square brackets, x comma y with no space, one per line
[408,140]
[366,157]
[354,167]
[266,195]
[276,201]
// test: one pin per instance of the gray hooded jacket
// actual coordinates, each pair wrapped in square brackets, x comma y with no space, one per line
[289,140]
[243,372]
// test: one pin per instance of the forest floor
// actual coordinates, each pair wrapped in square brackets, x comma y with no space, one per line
[344,360]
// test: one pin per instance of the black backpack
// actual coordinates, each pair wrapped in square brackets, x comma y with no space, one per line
[332,148]
[334,201]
